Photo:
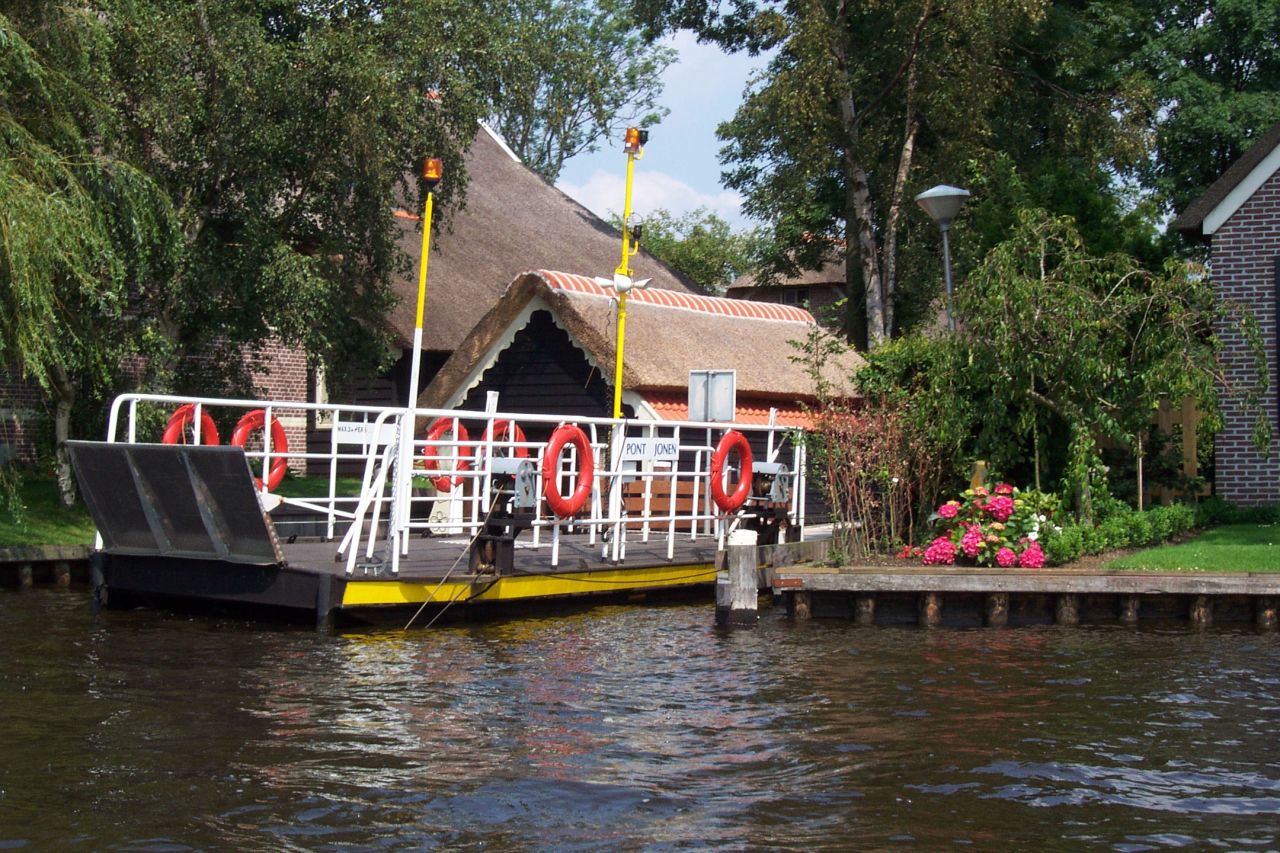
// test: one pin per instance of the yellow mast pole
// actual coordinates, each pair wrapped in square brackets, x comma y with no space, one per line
[635,138]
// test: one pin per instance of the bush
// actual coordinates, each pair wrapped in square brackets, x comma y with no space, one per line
[1215,511]
[1139,529]
[1064,544]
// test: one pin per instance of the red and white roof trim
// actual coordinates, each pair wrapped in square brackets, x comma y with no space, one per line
[672,299]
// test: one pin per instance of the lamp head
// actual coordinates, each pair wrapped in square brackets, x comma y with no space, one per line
[942,203]
[634,140]
[432,171]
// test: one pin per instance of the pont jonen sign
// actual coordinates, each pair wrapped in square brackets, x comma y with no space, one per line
[650,450]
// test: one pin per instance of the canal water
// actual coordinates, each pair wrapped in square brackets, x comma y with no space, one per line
[629,728]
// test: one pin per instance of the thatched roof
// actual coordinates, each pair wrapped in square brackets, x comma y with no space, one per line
[1243,174]
[668,334]
[831,273]
[513,221]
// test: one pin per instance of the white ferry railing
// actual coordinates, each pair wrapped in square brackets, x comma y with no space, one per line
[390,506]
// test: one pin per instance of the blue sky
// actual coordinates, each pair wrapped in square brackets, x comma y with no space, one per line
[680,170]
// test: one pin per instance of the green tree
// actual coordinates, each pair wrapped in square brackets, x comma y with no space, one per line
[283,132]
[82,231]
[575,73]
[859,101]
[1214,67]
[700,245]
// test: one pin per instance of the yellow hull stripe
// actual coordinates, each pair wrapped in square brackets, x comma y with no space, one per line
[514,587]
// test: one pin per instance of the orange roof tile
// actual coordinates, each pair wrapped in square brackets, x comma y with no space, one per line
[675,407]
[674,299]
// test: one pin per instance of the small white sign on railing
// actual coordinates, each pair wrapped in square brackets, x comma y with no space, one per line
[362,432]
[650,449]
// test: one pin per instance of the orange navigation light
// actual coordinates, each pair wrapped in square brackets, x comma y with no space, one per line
[432,171]
[634,140]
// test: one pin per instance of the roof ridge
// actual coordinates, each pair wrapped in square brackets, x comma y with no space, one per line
[574,283]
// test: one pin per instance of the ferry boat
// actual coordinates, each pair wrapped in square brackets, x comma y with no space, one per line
[454,511]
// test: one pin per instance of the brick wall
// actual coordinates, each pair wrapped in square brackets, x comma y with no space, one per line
[1244,258]
[22,416]
[281,374]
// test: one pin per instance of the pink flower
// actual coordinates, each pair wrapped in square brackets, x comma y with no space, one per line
[941,552]
[1032,558]
[1004,489]
[971,542]
[1000,507]
[948,510]
[1006,557]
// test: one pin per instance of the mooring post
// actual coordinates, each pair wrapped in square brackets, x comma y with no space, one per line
[1066,610]
[799,605]
[864,608]
[1129,609]
[26,576]
[62,573]
[931,609]
[997,610]
[1266,613]
[1201,611]
[737,585]
[98,580]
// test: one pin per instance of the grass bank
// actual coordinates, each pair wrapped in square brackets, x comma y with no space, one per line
[1230,548]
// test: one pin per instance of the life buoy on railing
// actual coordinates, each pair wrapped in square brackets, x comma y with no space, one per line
[435,432]
[732,440]
[279,445]
[175,432]
[504,429]
[562,506]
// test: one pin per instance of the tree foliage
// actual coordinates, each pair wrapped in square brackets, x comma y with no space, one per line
[576,73]
[700,245]
[1057,341]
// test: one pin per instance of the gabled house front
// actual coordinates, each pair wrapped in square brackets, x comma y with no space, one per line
[1239,217]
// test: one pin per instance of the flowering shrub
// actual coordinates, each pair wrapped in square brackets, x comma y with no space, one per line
[1000,526]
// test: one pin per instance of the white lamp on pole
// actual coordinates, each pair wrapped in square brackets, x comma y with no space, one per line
[942,203]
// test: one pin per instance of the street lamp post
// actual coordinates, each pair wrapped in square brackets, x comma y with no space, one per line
[942,203]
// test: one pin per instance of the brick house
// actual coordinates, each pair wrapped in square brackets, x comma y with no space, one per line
[1239,217]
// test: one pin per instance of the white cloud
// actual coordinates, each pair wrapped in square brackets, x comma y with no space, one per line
[603,193]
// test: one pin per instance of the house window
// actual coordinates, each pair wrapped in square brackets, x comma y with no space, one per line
[794,296]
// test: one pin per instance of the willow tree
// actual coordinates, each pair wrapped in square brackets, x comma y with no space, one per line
[1054,331]
[80,230]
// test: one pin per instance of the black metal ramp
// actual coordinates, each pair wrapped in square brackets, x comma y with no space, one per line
[178,501]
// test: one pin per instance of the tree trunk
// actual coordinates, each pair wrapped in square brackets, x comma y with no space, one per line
[858,195]
[64,395]
[895,212]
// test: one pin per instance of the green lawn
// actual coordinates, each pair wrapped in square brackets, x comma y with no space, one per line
[1230,548]
[44,520]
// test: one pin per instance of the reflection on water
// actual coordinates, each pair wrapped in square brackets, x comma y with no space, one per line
[626,728]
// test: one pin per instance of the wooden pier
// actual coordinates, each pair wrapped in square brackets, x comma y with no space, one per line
[973,597]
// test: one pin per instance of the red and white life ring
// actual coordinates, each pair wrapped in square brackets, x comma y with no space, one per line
[562,506]
[175,432]
[279,445]
[732,440]
[504,429]
[435,432]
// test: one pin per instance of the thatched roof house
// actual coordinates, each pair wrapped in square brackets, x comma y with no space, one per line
[512,221]
[548,347]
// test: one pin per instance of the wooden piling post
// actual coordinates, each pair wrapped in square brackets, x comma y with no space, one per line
[864,608]
[799,605]
[931,609]
[1066,609]
[737,586]
[26,576]
[1201,611]
[996,612]
[62,573]
[1129,609]
[1266,613]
